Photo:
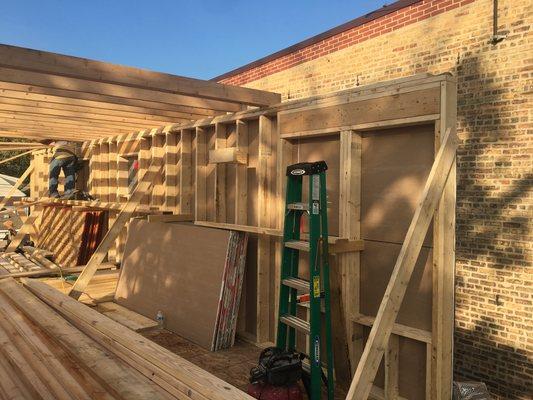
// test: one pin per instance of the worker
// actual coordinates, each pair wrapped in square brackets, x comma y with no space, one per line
[64,158]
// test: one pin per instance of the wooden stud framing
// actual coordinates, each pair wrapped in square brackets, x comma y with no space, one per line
[390,305]
[146,182]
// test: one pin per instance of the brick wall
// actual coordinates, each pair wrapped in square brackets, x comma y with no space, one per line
[494,284]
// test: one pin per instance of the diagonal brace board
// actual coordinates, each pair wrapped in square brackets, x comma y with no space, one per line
[401,275]
[143,187]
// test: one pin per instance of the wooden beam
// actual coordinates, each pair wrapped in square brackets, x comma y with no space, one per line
[392,299]
[146,182]
[229,155]
[101,72]
[99,110]
[76,85]
[69,97]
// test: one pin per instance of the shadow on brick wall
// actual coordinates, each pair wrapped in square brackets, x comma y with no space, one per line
[492,233]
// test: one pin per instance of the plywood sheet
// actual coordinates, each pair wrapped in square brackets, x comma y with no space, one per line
[377,263]
[327,149]
[177,269]
[395,166]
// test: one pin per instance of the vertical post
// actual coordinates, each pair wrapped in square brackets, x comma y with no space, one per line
[220,175]
[185,171]
[158,143]
[392,368]
[103,169]
[444,259]
[263,220]
[171,171]
[145,157]
[241,175]
[350,228]
[112,179]
[200,211]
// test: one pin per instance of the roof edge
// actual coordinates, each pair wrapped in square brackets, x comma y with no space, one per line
[371,16]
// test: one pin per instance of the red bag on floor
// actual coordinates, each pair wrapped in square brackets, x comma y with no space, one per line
[264,391]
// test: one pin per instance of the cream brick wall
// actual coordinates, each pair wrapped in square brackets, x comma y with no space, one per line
[494,328]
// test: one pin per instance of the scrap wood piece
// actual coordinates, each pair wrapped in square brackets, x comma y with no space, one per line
[150,359]
[143,186]
[108,369]
[130,319]
[171,218]
[49,271]
[17,184]
[401,275]
[27,228]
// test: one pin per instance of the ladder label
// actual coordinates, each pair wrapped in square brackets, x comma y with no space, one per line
[316,287]
[316,188]
[317,350]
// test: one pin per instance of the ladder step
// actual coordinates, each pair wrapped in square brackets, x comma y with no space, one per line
[298,206]
[297,323]
[298,245]
[296,283]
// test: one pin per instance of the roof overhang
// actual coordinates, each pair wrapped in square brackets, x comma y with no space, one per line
[52,96]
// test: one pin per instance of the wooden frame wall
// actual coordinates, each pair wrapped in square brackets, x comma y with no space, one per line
[229,172]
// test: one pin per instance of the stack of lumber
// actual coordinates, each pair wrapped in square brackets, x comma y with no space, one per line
[53,347]
[230,296]
[31,262]
[70,234]
[184,270]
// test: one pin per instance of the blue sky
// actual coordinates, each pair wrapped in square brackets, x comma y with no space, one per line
[199,39]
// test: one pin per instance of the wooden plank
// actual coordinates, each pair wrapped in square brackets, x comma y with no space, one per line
[390,305]
[117,379]
[413,104]
[158,153]
[171,172]
[391,123]
[185,172]
[6,160]
[263,220]
[444,260]
[74,86]
[419,335]
[130,319]
[26,229]
[220,175]
[230,155]
[97,71]
[350,227]
[171,218]
[392,368]
[15,187]
[241,176]
[200,211]
[162,363]
[146,182]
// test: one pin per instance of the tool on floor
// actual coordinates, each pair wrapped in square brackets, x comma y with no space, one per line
[276,376]
[318,285]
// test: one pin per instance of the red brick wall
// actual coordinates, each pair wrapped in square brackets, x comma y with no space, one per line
[494,279]
[395,20]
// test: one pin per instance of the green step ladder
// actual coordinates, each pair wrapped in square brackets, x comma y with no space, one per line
[318,286]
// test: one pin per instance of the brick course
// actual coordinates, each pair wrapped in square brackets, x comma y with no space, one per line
[494,306]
